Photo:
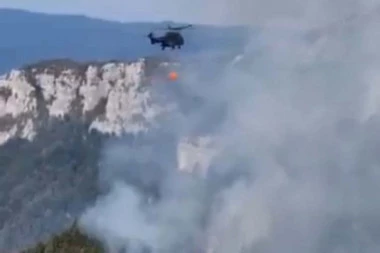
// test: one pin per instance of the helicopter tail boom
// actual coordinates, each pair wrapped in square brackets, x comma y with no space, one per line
[153,40]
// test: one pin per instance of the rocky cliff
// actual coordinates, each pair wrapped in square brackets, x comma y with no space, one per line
[55,116]
[108,97]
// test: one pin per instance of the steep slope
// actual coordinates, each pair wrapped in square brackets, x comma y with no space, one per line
[56,116]
[49,154]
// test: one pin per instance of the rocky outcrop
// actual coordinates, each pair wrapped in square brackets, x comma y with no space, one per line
[109,97]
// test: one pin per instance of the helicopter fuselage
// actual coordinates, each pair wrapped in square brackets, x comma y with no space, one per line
[170,39]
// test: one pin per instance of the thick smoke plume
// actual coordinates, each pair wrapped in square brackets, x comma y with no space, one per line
[295,167]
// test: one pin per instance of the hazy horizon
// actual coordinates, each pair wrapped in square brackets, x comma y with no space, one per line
[114,10]
[212,12]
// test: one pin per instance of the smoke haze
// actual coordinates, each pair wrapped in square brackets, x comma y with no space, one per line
[296,167]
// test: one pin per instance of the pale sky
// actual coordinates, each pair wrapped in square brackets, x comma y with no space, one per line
[202,11]
[121,10]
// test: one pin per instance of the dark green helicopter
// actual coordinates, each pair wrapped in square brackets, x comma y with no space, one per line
[172,39]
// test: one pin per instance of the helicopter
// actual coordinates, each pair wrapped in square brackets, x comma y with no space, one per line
[172,39]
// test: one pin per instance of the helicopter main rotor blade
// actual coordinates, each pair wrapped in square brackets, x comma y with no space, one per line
[178,28]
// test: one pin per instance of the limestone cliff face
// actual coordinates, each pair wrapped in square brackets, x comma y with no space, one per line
[55,118]
[109,97]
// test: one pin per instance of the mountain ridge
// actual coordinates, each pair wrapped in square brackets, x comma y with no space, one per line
[31,37]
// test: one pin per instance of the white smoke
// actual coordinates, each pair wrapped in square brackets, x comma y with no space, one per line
[302,123]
